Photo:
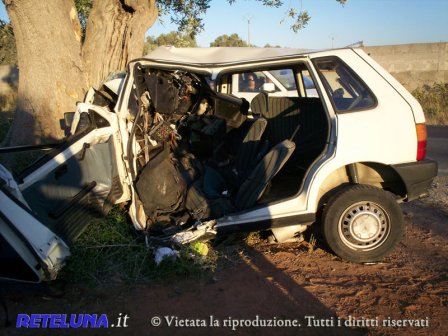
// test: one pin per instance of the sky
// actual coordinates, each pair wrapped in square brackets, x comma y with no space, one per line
[375,22]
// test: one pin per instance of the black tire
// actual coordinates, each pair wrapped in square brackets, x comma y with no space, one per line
[362,223]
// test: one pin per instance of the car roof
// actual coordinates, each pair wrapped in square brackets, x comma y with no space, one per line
[222,55]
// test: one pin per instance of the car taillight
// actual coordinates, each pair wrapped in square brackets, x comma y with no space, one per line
[421,141]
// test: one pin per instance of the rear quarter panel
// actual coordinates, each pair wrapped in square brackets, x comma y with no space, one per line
[384,133]
[415,105]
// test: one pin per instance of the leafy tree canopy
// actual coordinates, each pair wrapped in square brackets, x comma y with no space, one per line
[188,14]
[8,52]
[229,41]
[83,7]
[172,38]
[267,45]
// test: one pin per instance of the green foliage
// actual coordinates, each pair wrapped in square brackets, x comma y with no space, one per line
[188,14]
[434,101]
[172,38]
[267,45]
[106,252]
[110,252]
[83,7]
[301,18]
[269,3]
[229,41]
[8,51]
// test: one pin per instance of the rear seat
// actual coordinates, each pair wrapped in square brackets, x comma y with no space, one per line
[283,114]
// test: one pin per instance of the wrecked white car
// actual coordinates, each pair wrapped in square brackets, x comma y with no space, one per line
[342,145]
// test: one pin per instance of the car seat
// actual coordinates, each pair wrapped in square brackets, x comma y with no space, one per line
[204,206]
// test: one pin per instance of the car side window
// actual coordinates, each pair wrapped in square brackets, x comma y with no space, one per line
[346,90]
[285,77]
[275,82]
[309,88]
[253,81]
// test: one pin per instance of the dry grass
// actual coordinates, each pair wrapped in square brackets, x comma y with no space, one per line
[434,101]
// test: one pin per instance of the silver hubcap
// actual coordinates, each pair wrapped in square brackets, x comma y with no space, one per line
[364,226]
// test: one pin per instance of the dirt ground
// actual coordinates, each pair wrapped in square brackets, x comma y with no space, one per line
[279,284]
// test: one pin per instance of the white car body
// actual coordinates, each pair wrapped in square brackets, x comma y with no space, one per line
[376,146]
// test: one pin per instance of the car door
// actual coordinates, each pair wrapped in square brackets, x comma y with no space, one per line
[48,205]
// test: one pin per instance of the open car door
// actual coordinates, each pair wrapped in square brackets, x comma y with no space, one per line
[48,206]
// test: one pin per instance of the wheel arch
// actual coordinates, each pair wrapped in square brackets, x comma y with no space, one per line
[374,174]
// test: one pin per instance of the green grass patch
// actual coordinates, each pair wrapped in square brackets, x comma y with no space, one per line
[434,101]
[111,252]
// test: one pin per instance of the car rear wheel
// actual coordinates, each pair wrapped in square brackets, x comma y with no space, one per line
[362,223]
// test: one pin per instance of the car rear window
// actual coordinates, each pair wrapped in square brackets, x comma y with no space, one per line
[344,87]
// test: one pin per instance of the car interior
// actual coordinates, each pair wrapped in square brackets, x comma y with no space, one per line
[196,152]
[203,153]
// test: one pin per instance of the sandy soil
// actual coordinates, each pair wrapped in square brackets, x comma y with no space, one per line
[285,282]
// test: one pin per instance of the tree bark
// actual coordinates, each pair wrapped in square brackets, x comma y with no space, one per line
[56,69]
[115,35]
[51,73]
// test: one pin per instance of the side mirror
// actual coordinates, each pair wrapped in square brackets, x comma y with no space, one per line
[268,87]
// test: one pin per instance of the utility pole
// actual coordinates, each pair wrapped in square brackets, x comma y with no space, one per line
[248,18]
[332,37]
[332,42]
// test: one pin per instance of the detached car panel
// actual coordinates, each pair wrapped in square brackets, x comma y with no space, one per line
[29,250]
[195,154]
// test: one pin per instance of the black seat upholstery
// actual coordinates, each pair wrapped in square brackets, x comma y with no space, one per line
[239,151]
[284,114]
[282,117]
[250,191]
[259,103]
[255,184]
[247,153]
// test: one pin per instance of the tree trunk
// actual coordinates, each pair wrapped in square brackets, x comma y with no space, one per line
[115,35]
[49,58]
[56,70]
